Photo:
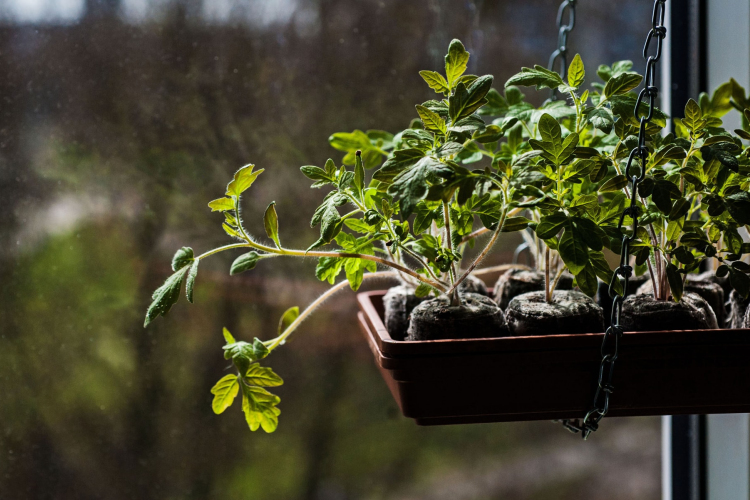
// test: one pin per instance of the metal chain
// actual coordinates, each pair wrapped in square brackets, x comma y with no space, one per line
[611,340]
[561,53]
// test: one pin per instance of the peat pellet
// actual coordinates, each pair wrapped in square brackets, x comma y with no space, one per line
[737,310]
[472,284]
[515,282]
[477,317]
[642,313]
[604,300]
[569,312]
[709,290]
[398,303]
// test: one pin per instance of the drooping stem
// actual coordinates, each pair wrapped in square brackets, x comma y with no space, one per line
[317,302]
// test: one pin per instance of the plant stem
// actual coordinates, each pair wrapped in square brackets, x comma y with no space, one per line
[484,252]
[453,292]
[547,291]
[221,249]
[317,302]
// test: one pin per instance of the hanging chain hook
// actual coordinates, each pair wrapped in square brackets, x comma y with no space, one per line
[611,340]
[561,53]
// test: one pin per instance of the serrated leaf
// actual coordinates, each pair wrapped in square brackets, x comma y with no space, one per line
[431,120]
[435,81]
[221,204]
[182,258]
[288,318]
[190,285]
[165,296]
[455,61]
[262,376]
[601,118]
[411,185]
[465,101]
[260,409]
[622,84]
[538,76]
[224,391]
[271,223]
[244,262]
[328,269]
[243,179]
[400,161]
[576,72]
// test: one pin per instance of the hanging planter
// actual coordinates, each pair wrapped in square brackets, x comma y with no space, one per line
[553,377]
[577,176]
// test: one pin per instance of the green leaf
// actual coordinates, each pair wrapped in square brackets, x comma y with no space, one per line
[182,258]
[262,376]
[576,72]
[573,249]
[512,224]
[616,183]
[539,76]
[602,270]
[260,409]
[423,290]
[693,116]
[221,205]
[431,120]
[243,179]
[224,393]
[350,141]
[622,84]
[400,161]
[435,81]
[675,281]
[663,194]
[411,185]
[165,296]
[586,280]
[738,206]
[550,225]
[228,336]
[287,319]
[679,209]
[465,101]
[244,262]
[271,223]
[733,241]
[601,118]
[455,61]
[359,173]
[190,285]
[328,269]
[549,129]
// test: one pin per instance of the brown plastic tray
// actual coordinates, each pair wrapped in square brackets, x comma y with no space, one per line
[553,377]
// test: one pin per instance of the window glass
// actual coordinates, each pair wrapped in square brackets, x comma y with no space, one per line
[119,120]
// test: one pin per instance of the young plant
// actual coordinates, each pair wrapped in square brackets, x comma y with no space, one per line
[421,176]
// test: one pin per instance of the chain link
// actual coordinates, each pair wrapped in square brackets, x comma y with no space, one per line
[611,340]
[561,53]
